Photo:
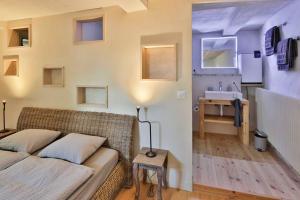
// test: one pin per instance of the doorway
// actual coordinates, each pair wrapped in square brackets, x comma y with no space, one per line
[221,160]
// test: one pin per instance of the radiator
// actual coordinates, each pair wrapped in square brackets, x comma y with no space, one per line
[279,117]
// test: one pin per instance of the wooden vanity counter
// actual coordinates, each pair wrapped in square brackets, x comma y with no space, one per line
[243,131]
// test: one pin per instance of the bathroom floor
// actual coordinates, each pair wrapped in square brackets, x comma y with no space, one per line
[221,161]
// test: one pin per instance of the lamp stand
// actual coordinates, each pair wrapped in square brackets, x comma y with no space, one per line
[4,129]
[150,153]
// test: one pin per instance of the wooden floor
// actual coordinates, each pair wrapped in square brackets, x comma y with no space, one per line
[199,193]
[224,169]
[221,161]
[228,146]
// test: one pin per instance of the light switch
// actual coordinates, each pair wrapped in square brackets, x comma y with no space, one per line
[181,94]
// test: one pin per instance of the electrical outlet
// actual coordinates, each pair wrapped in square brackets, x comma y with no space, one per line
[181,94]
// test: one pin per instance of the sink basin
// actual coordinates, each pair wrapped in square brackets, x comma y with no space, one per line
[223,95]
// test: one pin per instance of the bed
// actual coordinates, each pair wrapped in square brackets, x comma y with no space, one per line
[118,129]
[102,162]
[8,158]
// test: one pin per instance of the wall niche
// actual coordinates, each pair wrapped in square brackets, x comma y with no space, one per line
[88,29]
[19,37]
[161,56]
[53,76]
[92,95]
[159,62]
[11,65]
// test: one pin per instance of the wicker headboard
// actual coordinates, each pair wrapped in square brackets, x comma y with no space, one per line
[118,129]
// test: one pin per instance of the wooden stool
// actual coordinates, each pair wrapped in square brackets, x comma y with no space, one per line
[158,164]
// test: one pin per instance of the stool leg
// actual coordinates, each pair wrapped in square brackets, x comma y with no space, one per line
[144,175]
[165,182]
[136,180]
[159,179]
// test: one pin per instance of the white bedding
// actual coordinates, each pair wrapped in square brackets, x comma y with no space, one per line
[103,162]
[37,178]
[8,158]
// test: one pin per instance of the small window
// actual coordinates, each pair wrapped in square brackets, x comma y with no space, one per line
[91,29]
[19,37]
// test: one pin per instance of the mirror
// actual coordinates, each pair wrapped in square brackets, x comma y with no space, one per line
[219,52]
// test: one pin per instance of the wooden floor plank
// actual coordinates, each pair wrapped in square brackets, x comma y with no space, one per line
[199,193]
[231,171]
[241,168]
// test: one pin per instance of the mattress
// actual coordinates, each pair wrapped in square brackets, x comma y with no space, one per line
[38,178]
[103,162]
[8,158]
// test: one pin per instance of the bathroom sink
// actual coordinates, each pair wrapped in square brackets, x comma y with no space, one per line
[223,95]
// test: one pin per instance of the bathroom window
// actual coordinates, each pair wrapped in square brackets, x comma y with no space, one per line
[219,52]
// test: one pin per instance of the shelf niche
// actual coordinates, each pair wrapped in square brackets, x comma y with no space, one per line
[11,65]
[92,95]
[89,29]
[19,37]
[53,76]
[159,62]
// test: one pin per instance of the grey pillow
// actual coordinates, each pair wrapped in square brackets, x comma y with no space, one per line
[28,140]
[74,147]
[8,158]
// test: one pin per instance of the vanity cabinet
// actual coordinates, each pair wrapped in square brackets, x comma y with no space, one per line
[243,131]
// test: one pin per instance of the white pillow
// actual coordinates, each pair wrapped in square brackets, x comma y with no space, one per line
[28,140]
[74,147]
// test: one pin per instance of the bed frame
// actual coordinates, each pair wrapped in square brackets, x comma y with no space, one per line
[118,129]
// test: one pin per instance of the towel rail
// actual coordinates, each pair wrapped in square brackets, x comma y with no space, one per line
[285,24]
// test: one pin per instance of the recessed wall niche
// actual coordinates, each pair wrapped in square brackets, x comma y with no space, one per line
[53,76]
[19,36]
[11,65]
[161,56]
[159,62]
[92,95]
[88,29]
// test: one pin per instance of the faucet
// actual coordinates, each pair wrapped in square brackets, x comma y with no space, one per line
[237,88]
[220,86]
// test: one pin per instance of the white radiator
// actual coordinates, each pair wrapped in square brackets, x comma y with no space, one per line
[279,117]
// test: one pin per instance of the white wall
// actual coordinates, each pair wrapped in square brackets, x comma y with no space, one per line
[287,83]
[116,63]
[278,109]
[248,42]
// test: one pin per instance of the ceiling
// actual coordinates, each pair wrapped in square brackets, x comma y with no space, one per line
[231,17]
[21,9]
